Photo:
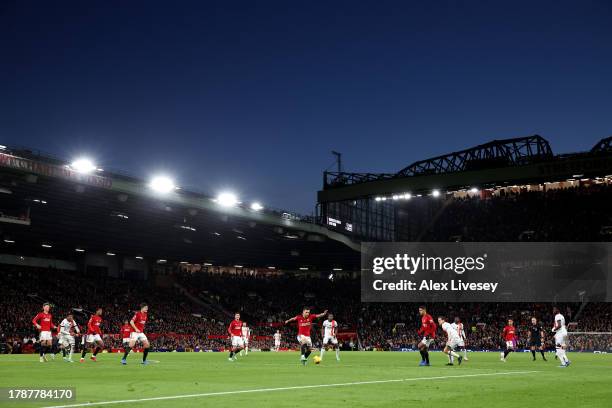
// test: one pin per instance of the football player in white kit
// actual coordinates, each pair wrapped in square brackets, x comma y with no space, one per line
[458,326]
[560,337]
[330,331]
[452,340]
[277,340]
[68,328]
[246,335]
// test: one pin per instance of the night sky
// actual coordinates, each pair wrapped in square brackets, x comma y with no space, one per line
[252,96]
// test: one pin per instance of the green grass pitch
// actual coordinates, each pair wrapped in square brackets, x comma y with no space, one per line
[361,379]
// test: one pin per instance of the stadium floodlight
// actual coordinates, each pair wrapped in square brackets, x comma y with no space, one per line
[79,250]
[162,184]
[227,199]
[207,264]
[139,257]
[395,197]
[378,198]
[303,268]
[256,206]
[272,267]
[337,269]
[83,165]
[474,190]
[407,196]
[47,246]
[161,261]
[110,253]
[435,193]
[9,241]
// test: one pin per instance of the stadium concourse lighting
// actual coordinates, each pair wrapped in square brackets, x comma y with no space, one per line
[83,165]
[256,206]
[47,246]
[435,193]
[79,250]
[473,190]
[227,199]
[9,241]
[139,257]
[337,269]
[110,253]
[162,184]
[303,268]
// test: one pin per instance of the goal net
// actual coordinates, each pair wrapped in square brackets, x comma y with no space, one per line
[595,342]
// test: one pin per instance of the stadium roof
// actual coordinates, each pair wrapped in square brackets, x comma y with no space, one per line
[500,162]
[47,201]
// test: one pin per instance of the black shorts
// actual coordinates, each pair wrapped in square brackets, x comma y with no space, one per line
[535,343]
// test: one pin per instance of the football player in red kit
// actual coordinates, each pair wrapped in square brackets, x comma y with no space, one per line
[304,324]
[509,335]
[428,331]
[138,325]
[43,321]
[94,335]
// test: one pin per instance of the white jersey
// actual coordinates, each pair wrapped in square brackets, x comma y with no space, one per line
[246,332]
[67,327]
[330,328]
[451,332]
[459,329]
[277,337]
[559,325]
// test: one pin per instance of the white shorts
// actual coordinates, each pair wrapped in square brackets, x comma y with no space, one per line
[304,340]
[277,344]
[45,335]
[65,340]
[328,339]
[126,340]
[93,338]
[245,340]
[141,337]
[461,343]
[510,344]
[427,341]
[237,341]
[561,338]
[452,343]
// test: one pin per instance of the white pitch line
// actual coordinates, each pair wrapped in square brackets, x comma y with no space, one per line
[298,387]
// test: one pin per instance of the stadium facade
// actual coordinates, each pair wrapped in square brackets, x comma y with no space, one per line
[373,206]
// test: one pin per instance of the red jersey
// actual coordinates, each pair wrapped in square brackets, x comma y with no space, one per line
[44,320]
[235,328]
[126,331]
[428,326]
[304,324]
[509,333]
[140,319]
[93,325]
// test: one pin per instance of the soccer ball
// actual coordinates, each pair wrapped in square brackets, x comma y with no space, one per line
[316,359]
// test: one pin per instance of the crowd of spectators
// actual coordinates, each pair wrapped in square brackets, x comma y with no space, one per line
[177,323]
[193,313]
[576,214]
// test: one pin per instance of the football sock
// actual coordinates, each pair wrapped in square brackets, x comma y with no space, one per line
[322,352]
[422,355]
[533,354]
[83,353]
[231,354]
[307,353]
[542,353]
[426,355]
[145,354]
[508,351]
[126,352]
[96,351]
[338,354]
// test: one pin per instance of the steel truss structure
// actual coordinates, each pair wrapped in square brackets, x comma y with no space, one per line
[497,153]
